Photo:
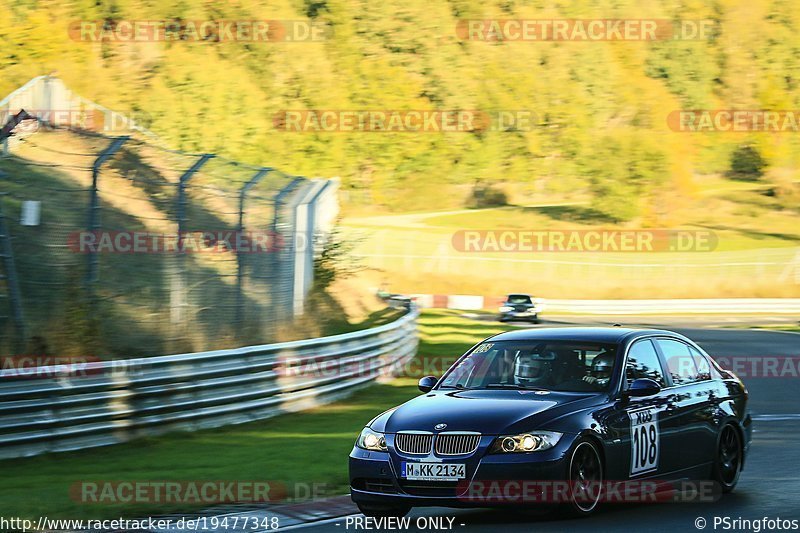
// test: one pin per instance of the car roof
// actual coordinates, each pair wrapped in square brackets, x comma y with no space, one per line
[583,334]
[518,294]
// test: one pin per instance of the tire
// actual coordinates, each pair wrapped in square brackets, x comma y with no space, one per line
[728,458]
[378,511]
[583,502]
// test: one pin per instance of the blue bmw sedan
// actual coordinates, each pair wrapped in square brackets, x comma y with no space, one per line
[556,416]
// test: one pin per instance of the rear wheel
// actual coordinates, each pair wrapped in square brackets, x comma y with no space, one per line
[728,462]
[585,477]
[378,511]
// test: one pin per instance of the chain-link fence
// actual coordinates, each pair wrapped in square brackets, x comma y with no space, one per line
[124,247]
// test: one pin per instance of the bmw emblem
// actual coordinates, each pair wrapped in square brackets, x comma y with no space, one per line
[439,427]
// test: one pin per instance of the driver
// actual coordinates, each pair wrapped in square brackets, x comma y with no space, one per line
[600,374]
[533,370]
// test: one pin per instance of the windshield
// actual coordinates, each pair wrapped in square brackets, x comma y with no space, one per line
[519,299]
[526,365]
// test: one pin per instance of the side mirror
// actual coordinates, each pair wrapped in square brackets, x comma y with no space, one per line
[427,383]
[643,387]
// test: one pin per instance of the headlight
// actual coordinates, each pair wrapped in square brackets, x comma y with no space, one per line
[506,309]
[535,441]
[371,440]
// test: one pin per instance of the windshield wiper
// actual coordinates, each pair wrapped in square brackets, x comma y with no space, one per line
[510,386]
[456,386]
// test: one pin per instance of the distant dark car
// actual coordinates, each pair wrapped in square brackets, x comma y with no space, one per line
[519,307]
[586,408]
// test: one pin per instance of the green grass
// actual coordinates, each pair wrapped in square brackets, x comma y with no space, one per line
[792,328]
[308,447]
[745,220]
[757,242]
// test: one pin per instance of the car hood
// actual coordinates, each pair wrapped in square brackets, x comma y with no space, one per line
[491,412]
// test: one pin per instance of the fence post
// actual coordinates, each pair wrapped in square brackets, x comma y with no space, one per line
[12,281]
[252,182]
[181,207]
[277,273]
[177,282]
[312,233]
[94,207]
[302,259]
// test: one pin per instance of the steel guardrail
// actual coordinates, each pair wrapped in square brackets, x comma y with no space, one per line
[665,306]
[82,405]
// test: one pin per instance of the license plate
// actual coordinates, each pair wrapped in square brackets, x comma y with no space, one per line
[432,471]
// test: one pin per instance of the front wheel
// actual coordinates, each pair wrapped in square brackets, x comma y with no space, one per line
[378,511]
[728,461]
[585,476]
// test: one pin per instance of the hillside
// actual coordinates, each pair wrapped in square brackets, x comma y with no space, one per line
[601,108]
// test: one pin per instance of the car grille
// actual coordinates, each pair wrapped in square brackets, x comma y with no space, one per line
[384,486]
[456,443]
[444,443]
[432,488]
[414,443]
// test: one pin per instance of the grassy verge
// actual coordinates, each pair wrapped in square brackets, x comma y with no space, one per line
[308,447]
[756,247]
[791,328]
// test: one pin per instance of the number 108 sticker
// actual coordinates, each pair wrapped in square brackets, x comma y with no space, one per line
[645,441]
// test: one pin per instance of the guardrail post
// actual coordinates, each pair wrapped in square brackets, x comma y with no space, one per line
[239,257]
[177,281]
[94,207]
[12,281]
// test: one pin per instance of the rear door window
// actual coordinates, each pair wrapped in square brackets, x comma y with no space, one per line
[705,370]
[680,362]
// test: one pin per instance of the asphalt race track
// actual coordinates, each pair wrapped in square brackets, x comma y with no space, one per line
[769,485]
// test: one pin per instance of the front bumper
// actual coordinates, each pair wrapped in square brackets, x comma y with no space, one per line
[519,315]
[491,479]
